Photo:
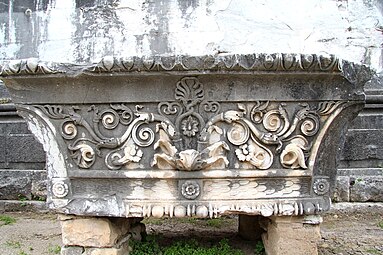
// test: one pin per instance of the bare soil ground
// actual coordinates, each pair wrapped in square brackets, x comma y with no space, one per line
[351,230]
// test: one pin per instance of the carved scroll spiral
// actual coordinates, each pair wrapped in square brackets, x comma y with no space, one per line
[83,154]
[257,112]
[194,133]
[238,134]
[109,119]
[310,125]
[125,113]
[169,108]
[68,130]
[111,160]
[272,121]
[210,106]
[142,136]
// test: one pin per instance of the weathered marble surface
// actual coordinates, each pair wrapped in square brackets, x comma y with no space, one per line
[83,31]
[184,136]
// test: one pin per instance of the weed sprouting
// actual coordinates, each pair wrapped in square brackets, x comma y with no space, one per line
[216,223]
[6,220]
[54,249]
[183,247]
[259,248]
[13,244]
[380,224]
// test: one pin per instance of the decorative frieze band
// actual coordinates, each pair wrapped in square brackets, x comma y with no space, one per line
[280,62]
[213,210]
[237,62]
[191,133]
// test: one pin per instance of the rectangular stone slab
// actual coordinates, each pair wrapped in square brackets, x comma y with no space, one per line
[189,136]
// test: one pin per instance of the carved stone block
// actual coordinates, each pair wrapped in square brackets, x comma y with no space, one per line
[184,136]
[291,236]
[93,232]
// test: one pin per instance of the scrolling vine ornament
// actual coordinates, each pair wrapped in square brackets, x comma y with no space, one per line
[192,133]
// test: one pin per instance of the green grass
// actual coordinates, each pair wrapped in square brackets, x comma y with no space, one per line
[13,244]
[6,220]
[380,224]
[259,248]
[54,249]
[153,221]
[22,198]
[17,245]
[373,251]
[183,247]
[215,223]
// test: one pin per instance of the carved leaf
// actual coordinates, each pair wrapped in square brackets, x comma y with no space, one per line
[83,154]
[293,156]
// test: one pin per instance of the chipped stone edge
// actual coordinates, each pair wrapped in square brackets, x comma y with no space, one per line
[257,62]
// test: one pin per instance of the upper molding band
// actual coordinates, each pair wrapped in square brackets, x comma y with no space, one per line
[276,62]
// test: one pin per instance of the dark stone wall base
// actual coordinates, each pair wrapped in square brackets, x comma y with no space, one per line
[360,185]
[17,206]
[23,185]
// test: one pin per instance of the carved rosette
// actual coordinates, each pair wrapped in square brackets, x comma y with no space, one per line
[321,186]
[190,189]
[60,189]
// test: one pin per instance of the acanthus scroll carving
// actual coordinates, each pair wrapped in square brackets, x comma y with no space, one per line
[191,133]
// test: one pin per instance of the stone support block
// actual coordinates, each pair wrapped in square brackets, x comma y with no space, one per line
[291,235]
[95,232]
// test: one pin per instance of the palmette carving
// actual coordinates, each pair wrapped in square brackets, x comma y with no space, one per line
[191,133]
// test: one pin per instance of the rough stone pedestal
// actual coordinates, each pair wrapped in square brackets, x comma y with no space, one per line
[95,235]
[292,235]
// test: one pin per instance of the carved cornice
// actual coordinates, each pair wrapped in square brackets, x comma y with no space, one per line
[276,62]
[31,66]
[236,62]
